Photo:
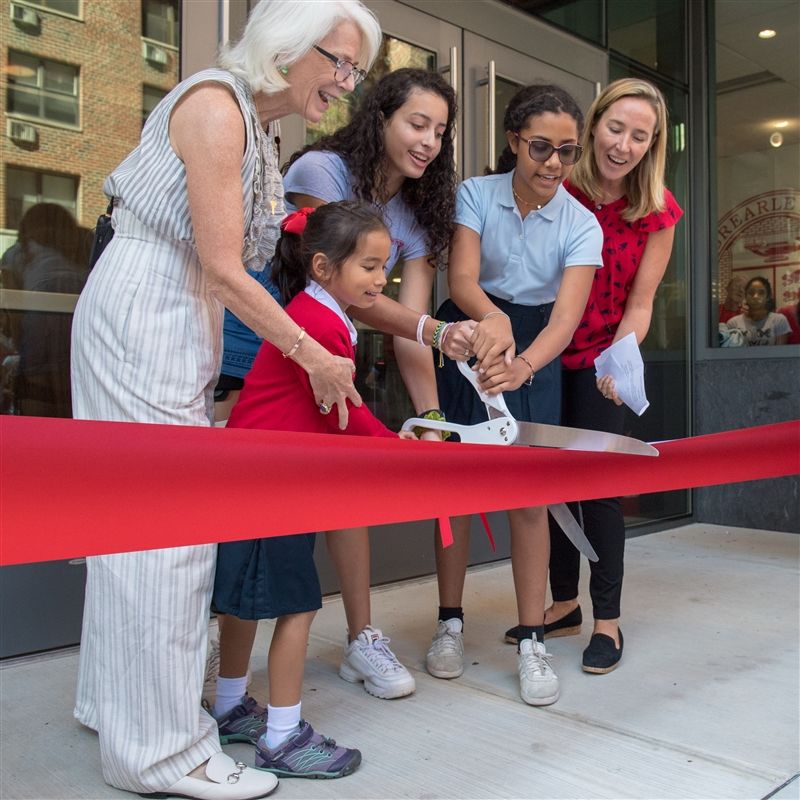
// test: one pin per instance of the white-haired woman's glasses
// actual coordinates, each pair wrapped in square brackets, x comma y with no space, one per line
[344,69]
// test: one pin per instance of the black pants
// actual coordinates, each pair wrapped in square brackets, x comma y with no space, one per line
[582,406]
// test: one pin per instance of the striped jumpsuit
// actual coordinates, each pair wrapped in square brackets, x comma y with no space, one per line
[146,347]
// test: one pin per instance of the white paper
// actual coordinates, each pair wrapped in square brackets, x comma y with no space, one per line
[623,362]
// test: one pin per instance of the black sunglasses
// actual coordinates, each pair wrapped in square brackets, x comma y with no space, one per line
[540,150]
[344,69]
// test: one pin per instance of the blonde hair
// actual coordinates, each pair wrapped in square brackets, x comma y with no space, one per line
[280,32]
[644,184]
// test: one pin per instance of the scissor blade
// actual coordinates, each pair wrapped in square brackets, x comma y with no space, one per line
[537,434]
[563,516]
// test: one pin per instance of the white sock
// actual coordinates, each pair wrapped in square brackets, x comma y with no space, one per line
[229,694]
[281,721]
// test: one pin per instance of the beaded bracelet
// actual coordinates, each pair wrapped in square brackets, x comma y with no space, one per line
[296,345]
[437,333]
[528,382]
[434,414]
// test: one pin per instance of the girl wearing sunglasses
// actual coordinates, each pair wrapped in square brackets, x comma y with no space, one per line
[522,261]
[620,179]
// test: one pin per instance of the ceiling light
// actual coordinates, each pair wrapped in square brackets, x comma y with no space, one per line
[767,33]
[784,123]
[776,139]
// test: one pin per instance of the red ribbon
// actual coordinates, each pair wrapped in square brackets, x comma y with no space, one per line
[74,488]
[296,221]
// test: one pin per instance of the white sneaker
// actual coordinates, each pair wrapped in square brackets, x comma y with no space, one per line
[538,684]
[445,658]
[368,658]
[212,669]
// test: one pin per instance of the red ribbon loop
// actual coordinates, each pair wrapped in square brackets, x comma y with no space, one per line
[296,221]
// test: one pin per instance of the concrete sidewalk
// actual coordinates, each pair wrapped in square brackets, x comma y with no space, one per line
[705,704]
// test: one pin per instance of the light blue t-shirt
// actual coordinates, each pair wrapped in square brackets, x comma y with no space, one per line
[522,261]
[323,174]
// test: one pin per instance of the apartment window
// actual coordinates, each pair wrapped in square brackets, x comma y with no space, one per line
[27,187]
[44,89]
[70,7]
[161,21]
[151,97]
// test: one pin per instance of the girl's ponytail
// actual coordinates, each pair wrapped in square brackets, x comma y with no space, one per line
[289,270]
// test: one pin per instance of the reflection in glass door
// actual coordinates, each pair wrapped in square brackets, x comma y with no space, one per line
[72,114]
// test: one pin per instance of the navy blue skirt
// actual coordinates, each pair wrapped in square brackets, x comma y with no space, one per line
[267,578]
[540,402]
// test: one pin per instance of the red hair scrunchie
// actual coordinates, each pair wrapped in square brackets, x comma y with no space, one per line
[296,221]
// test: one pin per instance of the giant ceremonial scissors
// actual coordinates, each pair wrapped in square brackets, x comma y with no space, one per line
[501,428]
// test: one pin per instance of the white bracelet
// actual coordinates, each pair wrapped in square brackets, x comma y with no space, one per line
[493,313]
[420,326]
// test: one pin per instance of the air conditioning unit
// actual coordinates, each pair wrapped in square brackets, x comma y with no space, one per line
[23,15]
[21,131]
[153,53]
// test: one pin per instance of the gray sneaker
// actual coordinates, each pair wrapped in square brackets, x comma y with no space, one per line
[245,722]
[368,658]
[445,658]
[538,684]
[306,754]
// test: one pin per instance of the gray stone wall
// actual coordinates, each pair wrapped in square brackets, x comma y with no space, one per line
[734,394]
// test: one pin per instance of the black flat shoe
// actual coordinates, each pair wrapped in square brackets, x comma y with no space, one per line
[602,655]
[568,625]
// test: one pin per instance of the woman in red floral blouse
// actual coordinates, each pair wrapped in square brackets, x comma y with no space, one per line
[621,179]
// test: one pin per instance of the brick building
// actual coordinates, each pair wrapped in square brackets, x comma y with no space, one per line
[79,77]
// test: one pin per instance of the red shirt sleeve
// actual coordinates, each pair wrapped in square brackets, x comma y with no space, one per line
[325,326]
[667,218]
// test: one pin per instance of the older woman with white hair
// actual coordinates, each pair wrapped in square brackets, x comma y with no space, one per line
[198,201]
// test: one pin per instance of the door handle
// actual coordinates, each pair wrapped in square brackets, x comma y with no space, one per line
[491,83]
[451,69]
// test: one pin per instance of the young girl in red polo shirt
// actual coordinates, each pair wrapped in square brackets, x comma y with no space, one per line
[326,261]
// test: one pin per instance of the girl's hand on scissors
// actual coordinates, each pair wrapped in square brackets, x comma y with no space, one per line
[492,340]
[458,340]
[407,435]
[502,377]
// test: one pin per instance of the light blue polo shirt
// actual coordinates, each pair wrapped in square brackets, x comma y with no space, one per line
[522,261]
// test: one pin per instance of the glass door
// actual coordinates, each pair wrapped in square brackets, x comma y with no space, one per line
[492,74]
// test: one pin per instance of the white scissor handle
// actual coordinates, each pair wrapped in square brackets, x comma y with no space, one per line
[494,401]
[502,430]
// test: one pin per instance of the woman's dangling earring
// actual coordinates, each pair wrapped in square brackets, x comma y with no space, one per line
[283,69]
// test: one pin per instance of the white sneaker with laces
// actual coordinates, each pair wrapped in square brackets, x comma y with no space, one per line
[445,658]
[368,658]
[538,684]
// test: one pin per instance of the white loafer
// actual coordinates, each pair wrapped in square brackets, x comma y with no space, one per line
[227,780]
